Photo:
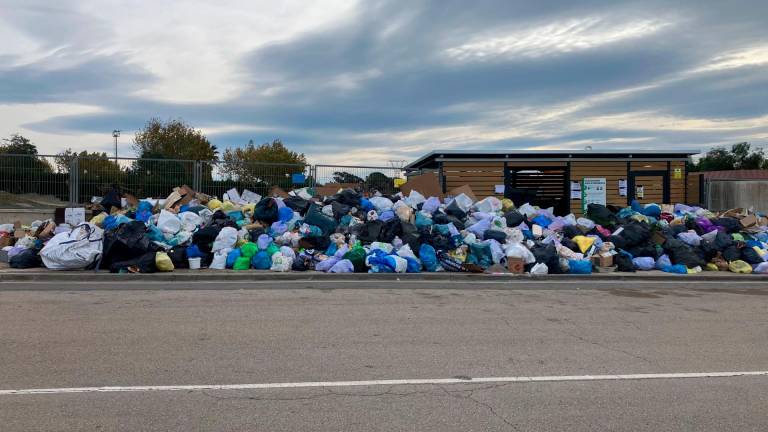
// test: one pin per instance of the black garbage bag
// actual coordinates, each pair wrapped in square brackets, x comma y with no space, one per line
[623,262]
[144,263]
[348,197]
[440,218]
[369,231]
[340,209]
[600,215]
[390,230]
[677,229]
[499,236]
[618,242]
[316,217]
[644,250]
[732,253]
[731,225]
[572,231]
[111,199]
[300,264]
[750,256]
[547,254]
[570,244]
[453,209]
[514,218]
[723,241]
[204,238]
[127,241]
[440,242]
[315,242]
[297,204]
[681,253]
[636,233]
[178,257]
[266,211]
[410,236]
[28,258]
[458,223]
[708,250]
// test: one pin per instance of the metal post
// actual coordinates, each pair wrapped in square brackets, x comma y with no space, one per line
[74,180]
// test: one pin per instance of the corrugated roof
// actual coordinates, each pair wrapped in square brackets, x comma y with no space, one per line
[736,175]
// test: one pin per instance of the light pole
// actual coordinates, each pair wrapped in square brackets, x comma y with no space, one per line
[115,135]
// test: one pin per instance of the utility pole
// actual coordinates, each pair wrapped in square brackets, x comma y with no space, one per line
[115,135]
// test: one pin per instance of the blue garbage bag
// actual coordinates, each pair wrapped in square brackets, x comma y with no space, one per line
[677,268]
[285,214]
[579,266]
[414,266]
[422,220]
[366,205]
[663,261]
[232,256]
[542,221]
[428,257]
[261,261]
[644,263]
[194,252]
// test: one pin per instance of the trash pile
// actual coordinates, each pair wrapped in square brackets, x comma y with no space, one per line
[349,232]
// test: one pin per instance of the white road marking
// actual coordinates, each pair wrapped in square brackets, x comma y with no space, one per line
[443,381]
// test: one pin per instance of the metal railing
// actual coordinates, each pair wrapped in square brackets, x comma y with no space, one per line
[76,179]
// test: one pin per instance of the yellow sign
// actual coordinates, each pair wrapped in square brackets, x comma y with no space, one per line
[678,173]
[399,182]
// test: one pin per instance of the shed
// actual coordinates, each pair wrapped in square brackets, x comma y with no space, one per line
[721,190]
[555,178]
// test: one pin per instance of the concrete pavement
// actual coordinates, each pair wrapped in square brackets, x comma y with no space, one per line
[319,332]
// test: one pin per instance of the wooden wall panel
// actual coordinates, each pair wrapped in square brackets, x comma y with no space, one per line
[612,172]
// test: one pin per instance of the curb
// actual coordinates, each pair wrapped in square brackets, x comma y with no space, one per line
[262,276]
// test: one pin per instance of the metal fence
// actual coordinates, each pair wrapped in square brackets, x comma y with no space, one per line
[77,179]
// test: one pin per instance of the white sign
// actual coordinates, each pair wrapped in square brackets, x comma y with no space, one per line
[622,187]
[499,189]
[592,192]
[575,190]
[74,216]
[639,192]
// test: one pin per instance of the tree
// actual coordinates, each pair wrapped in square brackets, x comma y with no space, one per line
[271,163]
[380,182]
[88,163]
[173,140]
[739,157]
[18,144]
[345,177]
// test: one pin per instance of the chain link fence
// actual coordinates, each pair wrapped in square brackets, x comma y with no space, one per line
[77,179]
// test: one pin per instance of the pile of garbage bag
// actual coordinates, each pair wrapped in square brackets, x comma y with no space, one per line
[351,232]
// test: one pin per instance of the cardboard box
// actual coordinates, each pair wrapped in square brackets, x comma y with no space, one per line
[427,184]
[7,241]
[515,265]
[466,190]
[602,261]
[749,221]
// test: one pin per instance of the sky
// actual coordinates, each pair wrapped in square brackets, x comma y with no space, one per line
[369,82]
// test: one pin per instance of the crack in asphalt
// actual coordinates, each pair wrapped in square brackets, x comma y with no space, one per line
[601,345]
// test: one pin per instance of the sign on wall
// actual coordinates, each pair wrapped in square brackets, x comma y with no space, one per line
[592,192]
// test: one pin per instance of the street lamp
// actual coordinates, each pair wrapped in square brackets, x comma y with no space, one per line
[115,135]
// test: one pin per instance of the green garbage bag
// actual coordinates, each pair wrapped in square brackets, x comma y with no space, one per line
[248,250]
[272,248]
[242,263]
[357,256]
[480,254]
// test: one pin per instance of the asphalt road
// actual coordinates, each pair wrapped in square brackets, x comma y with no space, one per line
[57,336]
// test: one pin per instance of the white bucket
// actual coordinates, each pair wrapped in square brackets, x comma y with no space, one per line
[194,263]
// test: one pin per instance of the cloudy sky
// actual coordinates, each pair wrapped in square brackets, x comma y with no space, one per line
[371,81]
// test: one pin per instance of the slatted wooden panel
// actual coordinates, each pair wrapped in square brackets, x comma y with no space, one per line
[693,184]
[482,177]
[612,172]
[677,186]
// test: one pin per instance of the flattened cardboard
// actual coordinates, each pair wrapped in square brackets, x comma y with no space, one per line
[515,265]
[278,192]
[749,221]
[427,184]
[466,190]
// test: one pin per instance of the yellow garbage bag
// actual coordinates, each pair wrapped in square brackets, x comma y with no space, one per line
[711,267]
[163,262]
[98,220]
[507,204]
[227,206]
[739,266]
[214,204]
[584,242]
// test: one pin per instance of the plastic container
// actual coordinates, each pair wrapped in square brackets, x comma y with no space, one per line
[194,263]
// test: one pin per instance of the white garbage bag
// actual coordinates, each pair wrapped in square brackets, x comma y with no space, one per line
[488,205]
[220,259]
[73,250]
[190,221]
[463,201]
[226,239]
[281,263]
[518,250]
[168,223]
[539,269]
[381,204]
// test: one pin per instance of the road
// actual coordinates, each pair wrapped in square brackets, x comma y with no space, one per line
[134,334]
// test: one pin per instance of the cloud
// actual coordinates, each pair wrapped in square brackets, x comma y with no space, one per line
[353,81]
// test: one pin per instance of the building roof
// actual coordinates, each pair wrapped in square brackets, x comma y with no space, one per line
[754,174]
[431,159]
